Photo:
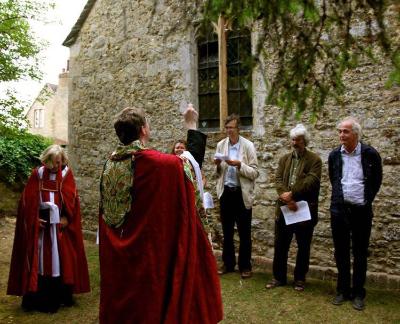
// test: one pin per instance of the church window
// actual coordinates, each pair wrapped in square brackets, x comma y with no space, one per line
[224,76]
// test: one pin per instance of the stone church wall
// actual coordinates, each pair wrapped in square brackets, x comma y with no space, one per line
[125,55]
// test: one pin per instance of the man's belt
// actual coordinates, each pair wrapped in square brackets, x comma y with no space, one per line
[232,189]
[350,204]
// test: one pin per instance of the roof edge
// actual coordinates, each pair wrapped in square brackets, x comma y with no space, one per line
[48,85]
[73,34]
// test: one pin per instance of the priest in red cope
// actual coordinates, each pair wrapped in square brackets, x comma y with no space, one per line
[156,263]
[48,261]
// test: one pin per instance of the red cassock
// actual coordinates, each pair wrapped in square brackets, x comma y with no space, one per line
[158,267]
[23,276]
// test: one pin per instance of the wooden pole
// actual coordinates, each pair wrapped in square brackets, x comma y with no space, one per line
[223,82]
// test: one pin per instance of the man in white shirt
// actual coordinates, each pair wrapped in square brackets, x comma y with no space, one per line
[235,190]
[355,172]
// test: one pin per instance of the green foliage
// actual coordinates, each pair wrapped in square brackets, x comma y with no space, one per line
[19,48]
[19,55]
[313,43]
[19,153]
[11,113]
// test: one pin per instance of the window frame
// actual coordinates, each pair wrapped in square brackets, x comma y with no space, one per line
[38,118]
[221,29]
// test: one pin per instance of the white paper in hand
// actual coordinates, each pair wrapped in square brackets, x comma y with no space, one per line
[208,201]
[220,156]
[300,215]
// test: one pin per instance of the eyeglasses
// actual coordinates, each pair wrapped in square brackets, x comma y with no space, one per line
[230,127]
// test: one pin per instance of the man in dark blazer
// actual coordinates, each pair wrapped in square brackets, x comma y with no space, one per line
[355,172]
[297,178]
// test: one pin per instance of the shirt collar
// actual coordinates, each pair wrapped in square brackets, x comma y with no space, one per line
[236,146]
[297,155]
[356,151]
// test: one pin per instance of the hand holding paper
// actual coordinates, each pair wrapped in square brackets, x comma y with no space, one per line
[302,214]
[220,156]
[292,205]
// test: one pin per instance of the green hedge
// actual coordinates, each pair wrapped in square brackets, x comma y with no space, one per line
[19,154]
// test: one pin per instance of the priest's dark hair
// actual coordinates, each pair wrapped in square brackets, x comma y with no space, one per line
[128,123]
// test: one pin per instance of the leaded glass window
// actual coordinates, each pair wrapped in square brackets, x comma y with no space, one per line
[238,78]
[208,80]
[239,75]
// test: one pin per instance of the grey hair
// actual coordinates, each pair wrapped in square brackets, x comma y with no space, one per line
[53,151]
[355,125]
[300,130]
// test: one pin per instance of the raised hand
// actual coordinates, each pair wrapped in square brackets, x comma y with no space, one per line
[190,116]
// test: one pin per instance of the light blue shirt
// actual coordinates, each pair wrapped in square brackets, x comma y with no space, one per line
[352,176]
[231,177]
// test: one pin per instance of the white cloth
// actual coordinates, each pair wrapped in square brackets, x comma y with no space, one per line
[352,176]
[197,171]
[200,185]
[54,220]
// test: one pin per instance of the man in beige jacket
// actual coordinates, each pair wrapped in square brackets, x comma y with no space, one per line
[237,169]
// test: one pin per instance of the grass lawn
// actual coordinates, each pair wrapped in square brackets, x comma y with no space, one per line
[245,301]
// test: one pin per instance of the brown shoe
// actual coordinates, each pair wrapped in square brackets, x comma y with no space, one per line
[246,274]
[224,270]
[299,285]
[273,284]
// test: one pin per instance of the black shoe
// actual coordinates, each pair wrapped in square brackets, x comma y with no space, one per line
[29,302]
[65,296]
[339,299]
[358,303]
[50,308]
[68,302]
[224,270]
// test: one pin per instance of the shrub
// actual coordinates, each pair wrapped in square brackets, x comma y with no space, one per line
[19,154]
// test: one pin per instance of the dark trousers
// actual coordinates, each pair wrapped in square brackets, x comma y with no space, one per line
[283,237]
[233,211]
[351,229]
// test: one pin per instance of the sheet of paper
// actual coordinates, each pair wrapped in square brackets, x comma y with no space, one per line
[220,156]
[302,214]
[208,201]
